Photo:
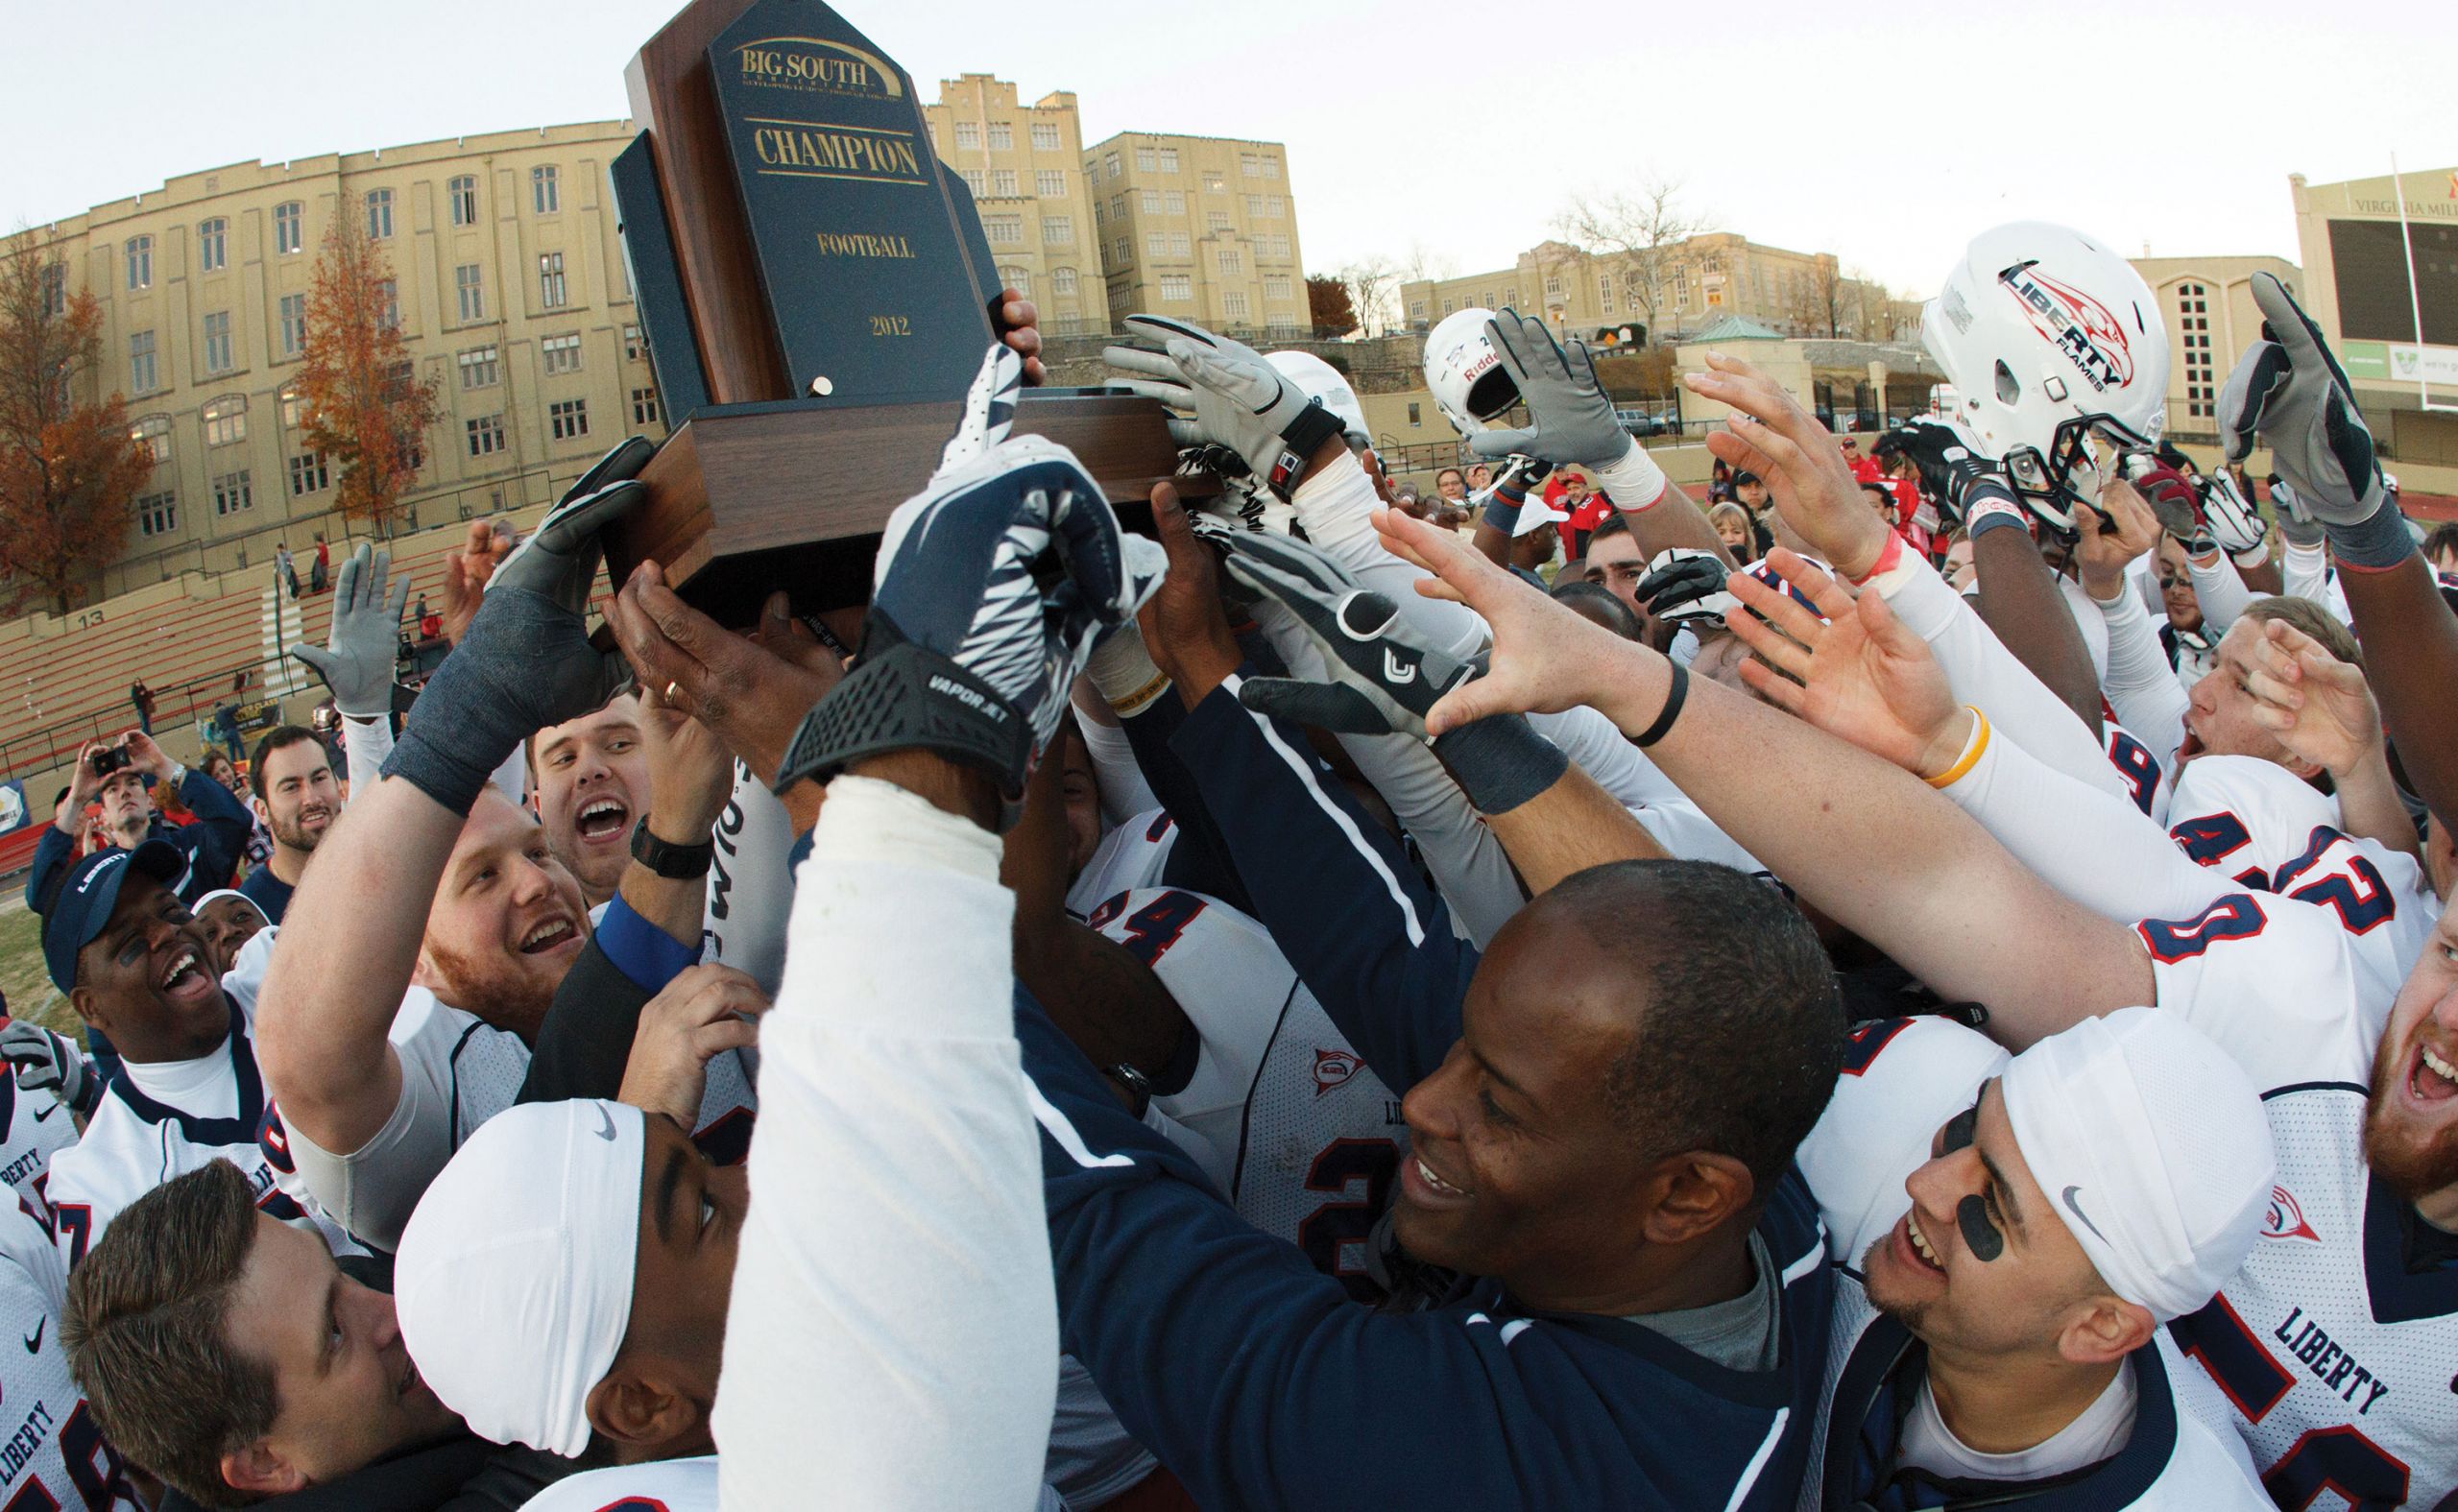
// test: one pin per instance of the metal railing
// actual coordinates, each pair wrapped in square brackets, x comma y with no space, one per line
[185,702]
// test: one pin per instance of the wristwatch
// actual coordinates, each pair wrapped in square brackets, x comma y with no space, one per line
[679,863]
[1313,425]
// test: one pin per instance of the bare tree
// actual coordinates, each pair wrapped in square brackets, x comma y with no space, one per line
[1373,293]
[1877,312]
[1822,301]
[1633,235]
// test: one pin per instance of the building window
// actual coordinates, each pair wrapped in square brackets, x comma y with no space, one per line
[1215,221]
[978,182]
[1057,230]
[560,353]
[379,215]
[480,369]
[1145,161]
[551,280]
[1447,306]
[226,420]
[634,348]
[1126,248]
[213,245]
[141,263]
[1275,206]
[968,135]
[1110,160]
[1169,160]
[1234,306]
[1180,246]
[1176,288]
[546,189]
[1020,279]
[1156,243]
[307,475]
[153,434]
[388,304]
[645,411]
[1118,208]
[484,435]
[1151,202]
[1214,182]
[1046,137]
[156,515]
[55,289]
[291,407]
[1272,165]
[1231,260]
[289,226]
[1254,206]
[233,495]
[1062,280]
[1413,418]
[1003,137]
[568,418]
[1276,286]
[1173,202]
[293,324]
[1250,165]
[1004,230]
[1276,246]
[1003,183]
[463,193]
[142,376]
[1050,184]
[1098,213]
[217,342]
[466,281]
[1416,309]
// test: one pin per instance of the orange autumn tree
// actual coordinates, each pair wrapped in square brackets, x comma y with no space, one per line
[361,405]
[68,466]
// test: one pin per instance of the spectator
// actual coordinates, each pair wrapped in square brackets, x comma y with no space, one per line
[142,697]
[225,729]
[1480,477]
[229,920]
[1865,468]
[321,575]
[208,849]
[284,569]
[1736,530]
[1570,491]
[2440,548]
[1750,491]
[298,797]
[1958,568]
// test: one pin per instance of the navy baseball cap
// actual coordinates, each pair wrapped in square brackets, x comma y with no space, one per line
[83,904]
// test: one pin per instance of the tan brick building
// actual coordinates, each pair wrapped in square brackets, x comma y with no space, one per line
[2208,305]
[1696,283]
[2357,257]
[1199,226]
[511,292]
[1024,164]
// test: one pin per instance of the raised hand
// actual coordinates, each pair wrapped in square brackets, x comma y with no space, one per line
[1237,400]
[1859,674]
[2290,392]
[1385,678]
[965,654]
[1770,434]
[466,571]
[704,1012]
[1570,416]
[360,650]
[2124,528]
[749,691]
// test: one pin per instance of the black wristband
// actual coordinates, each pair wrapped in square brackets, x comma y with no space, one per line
[1500,761]
[676,863]
[906,698]
[1671,711]
[1304,436]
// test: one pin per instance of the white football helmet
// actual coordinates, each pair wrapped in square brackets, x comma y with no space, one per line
[1318,380]
[1470,385]
[2049,340]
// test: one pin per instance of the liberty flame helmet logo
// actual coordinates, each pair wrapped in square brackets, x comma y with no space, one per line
[2076,325]
[1332,1069]
[2283,1219]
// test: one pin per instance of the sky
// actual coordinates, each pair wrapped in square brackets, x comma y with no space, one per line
[1437,132]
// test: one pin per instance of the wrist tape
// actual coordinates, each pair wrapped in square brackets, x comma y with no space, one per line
[1500,761]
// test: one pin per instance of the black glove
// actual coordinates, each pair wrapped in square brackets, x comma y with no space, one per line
[1686,583]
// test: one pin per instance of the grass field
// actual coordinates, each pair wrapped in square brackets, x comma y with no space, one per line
[31,994]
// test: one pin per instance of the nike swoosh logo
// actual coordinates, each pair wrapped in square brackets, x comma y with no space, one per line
[34,1346]
[43,1112]
[1396,671]
[607,1132]
[2077,1210]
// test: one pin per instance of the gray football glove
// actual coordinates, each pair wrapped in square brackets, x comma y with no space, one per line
[1237,400]
[356,658]
[1572,418]
[2291,392]
[47,1062]
[2236,526]
[526,661]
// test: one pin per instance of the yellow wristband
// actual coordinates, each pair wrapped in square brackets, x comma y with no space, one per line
[1133,702]
[1971,752]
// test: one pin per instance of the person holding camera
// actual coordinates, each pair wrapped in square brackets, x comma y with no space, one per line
[115,776]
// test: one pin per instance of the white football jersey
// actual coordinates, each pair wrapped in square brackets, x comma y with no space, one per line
[33,1127]
[2146,780]
[1284,1115]
[2273,833]
[1903,1078]
[1131,855]
[52,1453]
[670,1485]
[2336,1358]
[162,1120]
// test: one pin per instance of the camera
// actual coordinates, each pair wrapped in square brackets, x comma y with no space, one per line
[109,759]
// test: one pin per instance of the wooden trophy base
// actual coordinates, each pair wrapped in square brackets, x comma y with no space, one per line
[749,499]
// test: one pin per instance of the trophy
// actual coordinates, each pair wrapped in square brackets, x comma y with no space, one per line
[816,294]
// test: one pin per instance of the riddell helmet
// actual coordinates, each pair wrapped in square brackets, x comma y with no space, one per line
[2049,340]
[1318,380]
[1471,387]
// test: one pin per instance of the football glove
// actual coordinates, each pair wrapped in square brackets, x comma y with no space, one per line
[1951,466]
[1237,400]
[1570,417]
[46,1062]
[2290,392]
[2236,526]
[526,661]
[356,658]
[991,585]
[1685,584]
